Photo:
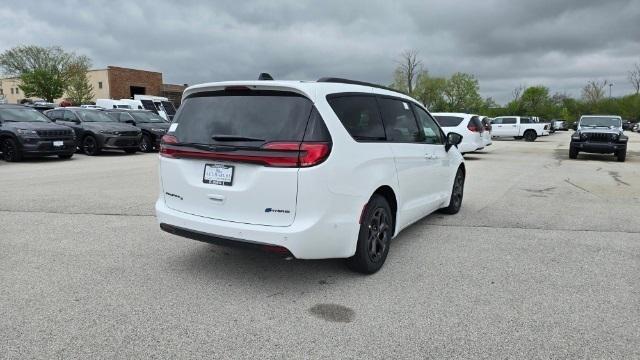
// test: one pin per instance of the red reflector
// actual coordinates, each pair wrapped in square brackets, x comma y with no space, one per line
[472,128]
[275,249]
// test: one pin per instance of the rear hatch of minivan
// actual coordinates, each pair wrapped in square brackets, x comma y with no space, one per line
[234,154]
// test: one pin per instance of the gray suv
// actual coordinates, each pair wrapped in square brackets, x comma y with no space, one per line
[600,134]
[153,127]
[95,130]
[25,132]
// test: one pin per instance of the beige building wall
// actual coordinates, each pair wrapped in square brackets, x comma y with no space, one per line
[99,79]
[9,89]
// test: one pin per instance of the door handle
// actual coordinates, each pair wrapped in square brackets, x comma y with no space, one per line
[429,157]
[216,198]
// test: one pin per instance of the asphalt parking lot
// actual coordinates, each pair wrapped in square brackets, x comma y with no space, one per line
[543,261]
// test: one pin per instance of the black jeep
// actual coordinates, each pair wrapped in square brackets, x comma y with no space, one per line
[600,134]
[25,132]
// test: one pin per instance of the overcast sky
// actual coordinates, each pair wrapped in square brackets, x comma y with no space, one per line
[504,43]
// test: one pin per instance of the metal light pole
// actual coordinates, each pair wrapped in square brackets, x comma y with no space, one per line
[610,86]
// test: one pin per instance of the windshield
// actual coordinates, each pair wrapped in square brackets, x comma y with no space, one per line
[22,115]
[146,117]
[448,121]
[94,116]
[600,121]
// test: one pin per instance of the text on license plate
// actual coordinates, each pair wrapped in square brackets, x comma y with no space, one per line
[58,143]
[218,174]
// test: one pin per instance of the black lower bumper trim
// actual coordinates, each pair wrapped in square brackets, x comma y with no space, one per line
[222,241]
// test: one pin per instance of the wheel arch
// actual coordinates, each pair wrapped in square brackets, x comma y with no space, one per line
[388,194]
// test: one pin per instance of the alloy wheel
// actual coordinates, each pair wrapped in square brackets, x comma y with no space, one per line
[378,238]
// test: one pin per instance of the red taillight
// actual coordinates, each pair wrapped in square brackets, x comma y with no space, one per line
[167,140]
[472,127]
[274,154]
[306,154]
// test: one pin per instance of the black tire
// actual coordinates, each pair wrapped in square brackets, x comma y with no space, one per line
[573,153]
[65,156]
[374,237]
[145,144]
[457,192]
[131,151]
[10,150]
[530,135]
[621,155]
[90,146]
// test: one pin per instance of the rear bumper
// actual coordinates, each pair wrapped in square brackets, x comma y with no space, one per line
[598,148]
[330,236]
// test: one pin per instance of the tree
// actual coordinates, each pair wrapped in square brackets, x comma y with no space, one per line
[430,91]
[407,71]
[634,78]
[535,101]
[462,94]
[80,90]
[44,72]
[594,91]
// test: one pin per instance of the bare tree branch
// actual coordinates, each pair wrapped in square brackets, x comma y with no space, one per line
[634,78]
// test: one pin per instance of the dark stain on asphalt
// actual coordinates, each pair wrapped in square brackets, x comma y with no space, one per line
[618,179]
[540,191]
[333,313]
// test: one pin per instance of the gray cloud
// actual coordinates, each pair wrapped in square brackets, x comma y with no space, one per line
[560,44]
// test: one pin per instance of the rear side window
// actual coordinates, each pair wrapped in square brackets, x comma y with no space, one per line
[360,116]
[525,121]
[399,122]
[253,117]
[448,121]
[508,120]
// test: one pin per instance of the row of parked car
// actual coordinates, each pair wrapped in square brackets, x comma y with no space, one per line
[478,131]
[27,132]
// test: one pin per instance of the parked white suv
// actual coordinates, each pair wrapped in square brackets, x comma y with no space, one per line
[327,169]
[467,125]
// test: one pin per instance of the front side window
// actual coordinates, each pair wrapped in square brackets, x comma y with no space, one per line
[69,116]
[430,128]
[360,116]
[399,122]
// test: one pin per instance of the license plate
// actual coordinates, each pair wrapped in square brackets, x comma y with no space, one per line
[218,174]
[58,143]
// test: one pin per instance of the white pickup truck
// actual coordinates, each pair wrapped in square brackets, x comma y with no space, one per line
[518,127]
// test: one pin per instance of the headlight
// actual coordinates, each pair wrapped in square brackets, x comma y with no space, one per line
[109,132]
[614,137]
[583,136]
[26,132]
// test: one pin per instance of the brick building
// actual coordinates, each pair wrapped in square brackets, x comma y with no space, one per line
[111,83]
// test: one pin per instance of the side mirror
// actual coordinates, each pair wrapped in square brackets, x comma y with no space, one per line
[453,139]
[76,121]
[131,122]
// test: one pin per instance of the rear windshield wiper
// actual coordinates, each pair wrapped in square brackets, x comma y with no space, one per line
[234,138]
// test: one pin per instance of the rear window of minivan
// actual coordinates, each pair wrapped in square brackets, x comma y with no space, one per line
[264,116]
[448,121]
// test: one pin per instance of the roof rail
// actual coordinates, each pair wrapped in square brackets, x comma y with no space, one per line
[356,82]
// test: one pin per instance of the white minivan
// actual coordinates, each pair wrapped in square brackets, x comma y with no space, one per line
[332,168]
[468,125]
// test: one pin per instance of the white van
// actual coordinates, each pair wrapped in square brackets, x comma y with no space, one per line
[158,104]
[112,104]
